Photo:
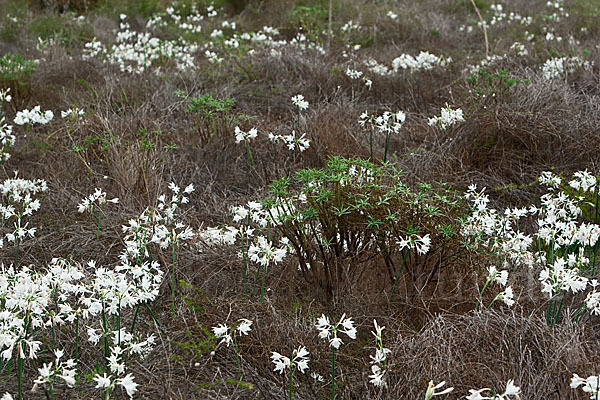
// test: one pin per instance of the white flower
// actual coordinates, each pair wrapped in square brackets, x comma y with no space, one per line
[476,394]
[102,381]
[299,358]
[353,74]
[424,61]
[377,376]
[226,333]
[244,326]
[129,385]
[511,389]
[330,331]
[299,102]
[500,277]
[431,390]
[317,377]
[33,116]
[507,296]
[448,118]
[560,67]
[591,385]
[245,136]
[5,96]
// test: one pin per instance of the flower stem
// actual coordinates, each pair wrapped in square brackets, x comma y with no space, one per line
[77,340]
[245,264]
[387,144]
[291,374]
[173,280]
[237,353]
[371,143]
[262,286]
[135,315]
[104,329]
[479,300]
[596,222]
[99,224]
[557,314]
[396,281]
[249,153]
[332,373]
[19,375]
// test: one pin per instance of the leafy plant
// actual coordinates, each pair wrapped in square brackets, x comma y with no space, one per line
[340,221]
[214,116]
[15,73]
[493,83]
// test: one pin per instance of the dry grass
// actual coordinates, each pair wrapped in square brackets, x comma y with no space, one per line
[506,141]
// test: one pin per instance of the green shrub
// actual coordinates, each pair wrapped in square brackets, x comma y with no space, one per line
[344,219]
[58,28]
[213,116]
[15,73]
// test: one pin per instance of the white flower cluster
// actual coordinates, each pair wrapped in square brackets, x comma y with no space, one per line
[563,66]
[72,113]
[227,334]
[301,42]
[355,75]
[501,277]
[262,252]
[386,123]
[487,61]
[519,49]
[241,136]
[158,225]
[378,361]
[108,383]
[500,15]
[223,236]
[487,225]
[134,52]
[299,358]
[291,141]
[590,385]
[557,11]
[562,275]
[254,212]
[7,139]
[330,331]
[190,23]
[419,243]
[511,390]
[19,203]
[448,118]
[98,199]
[26,295]
[58,369]
[125,286]
[376,67]
[567,239]
[350,26]
[167,229]
[423,62]
[299,102]
[5,96]
[33,116]
[124,346]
